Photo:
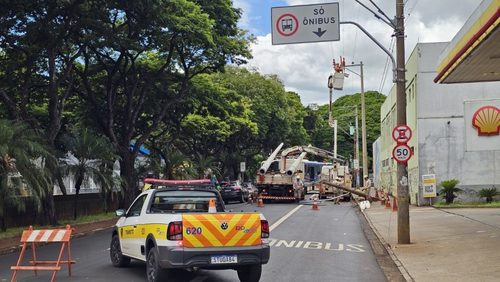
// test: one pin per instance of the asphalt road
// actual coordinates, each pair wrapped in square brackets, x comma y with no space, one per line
[323,245]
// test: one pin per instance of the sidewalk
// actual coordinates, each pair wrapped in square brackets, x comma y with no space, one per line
[446,244]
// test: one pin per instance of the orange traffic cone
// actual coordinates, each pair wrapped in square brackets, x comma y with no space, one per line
[260,204]
[211,206]
[394,204]
[388,203]
[315,205]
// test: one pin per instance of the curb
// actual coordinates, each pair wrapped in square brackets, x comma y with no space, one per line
[102,225]
[397,266]
[389,250]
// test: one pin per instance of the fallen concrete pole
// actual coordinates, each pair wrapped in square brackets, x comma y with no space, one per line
[350,190]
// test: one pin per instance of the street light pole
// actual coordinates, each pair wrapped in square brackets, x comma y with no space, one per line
[356,146]
[363,119]
[363,124]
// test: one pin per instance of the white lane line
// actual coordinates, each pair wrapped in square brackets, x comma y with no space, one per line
[277,223]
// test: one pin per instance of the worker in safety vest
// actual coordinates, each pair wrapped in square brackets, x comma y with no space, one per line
[368,183]
[367,187]
[298,188]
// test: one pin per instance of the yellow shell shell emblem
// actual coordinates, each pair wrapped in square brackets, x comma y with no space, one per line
[487,120]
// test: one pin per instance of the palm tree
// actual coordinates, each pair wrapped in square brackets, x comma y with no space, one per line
[90,156]
[205,166]
[488,193]
[449,189]
[22,157]
[177,164]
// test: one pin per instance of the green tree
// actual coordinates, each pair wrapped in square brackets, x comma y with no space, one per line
[90,156]
[449,189]
[316,123]
[488,193]
[40,42]
[220,125]
[22,155]
[139,60]
[269,110]
[296,114]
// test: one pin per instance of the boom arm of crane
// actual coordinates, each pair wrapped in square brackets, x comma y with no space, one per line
[270,159]
[310,150]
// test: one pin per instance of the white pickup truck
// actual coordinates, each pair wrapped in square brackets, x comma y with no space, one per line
[169,226]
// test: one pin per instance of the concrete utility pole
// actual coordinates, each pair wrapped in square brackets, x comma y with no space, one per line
[363,124]
[363,118]
[402,172]
[356,148]
[399,79]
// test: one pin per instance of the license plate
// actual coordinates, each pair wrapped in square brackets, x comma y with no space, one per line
[227,190]
[224,259]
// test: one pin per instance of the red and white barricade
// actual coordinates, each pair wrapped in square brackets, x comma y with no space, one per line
[33,237]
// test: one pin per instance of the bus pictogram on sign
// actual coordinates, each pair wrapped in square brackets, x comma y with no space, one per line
[287,24]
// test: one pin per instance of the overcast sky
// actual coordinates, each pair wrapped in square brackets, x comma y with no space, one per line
[304,68]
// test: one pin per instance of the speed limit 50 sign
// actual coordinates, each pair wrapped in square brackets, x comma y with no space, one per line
[402,153]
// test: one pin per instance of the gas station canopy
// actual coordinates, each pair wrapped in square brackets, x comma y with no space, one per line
[474,53]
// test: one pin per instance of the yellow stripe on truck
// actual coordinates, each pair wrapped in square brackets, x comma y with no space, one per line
[142,230]
[221,230]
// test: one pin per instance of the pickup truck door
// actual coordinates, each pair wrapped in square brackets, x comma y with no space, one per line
[130,230]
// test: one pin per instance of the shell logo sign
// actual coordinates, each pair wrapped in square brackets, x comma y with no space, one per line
[487,120]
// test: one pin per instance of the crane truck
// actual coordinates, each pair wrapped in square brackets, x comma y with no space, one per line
[276,176]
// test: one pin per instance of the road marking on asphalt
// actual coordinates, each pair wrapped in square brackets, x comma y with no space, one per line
[313,245]
[277,223]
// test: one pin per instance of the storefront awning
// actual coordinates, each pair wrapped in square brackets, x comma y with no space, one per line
[474,53]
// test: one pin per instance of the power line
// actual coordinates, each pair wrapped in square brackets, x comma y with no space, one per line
[410,10]
[386,67]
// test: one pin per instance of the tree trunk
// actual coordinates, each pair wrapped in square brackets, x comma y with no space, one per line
[78,184]
[60,183]
[48,201]
[127,172]
[49,208]
[3,211]
[3,208]
[449,198]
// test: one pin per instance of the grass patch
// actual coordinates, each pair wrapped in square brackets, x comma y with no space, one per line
[17,231]
[495,204]
[89,218]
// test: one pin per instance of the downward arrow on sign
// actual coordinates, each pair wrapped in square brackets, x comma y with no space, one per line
[320,32]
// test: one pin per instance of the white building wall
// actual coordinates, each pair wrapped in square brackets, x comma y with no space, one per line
[377,162]
[444,127]
[446,143]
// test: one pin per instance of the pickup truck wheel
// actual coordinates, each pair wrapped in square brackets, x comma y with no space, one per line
[154,272]
[115,252]
[250,273]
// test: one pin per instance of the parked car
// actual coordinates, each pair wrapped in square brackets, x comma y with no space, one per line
[233,191]
[251,188]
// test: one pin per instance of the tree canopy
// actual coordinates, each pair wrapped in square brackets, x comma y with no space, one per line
[163,74]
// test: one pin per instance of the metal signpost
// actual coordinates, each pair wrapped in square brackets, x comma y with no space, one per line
[305,23]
